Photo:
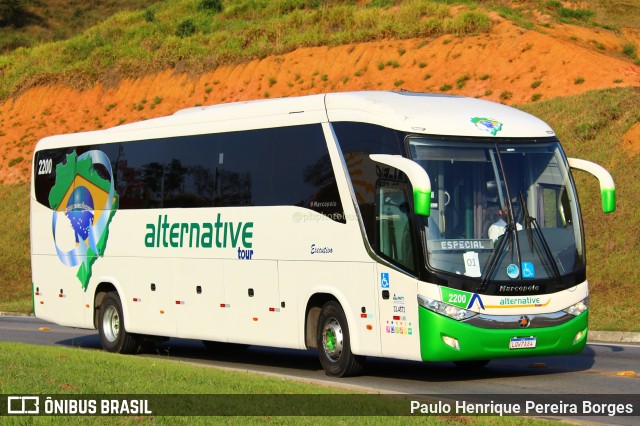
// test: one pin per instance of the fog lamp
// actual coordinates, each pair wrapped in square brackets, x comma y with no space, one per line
[450,341]
[579,336]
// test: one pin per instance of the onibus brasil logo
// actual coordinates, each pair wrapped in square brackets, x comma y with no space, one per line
[88,202]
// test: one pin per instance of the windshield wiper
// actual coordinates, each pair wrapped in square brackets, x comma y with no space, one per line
[492,264]
[531,222]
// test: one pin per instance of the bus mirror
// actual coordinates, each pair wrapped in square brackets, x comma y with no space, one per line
[607,186]
[418,177]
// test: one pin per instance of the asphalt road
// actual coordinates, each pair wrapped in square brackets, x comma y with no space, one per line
[601,369]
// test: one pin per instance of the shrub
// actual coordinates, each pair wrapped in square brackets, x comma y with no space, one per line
[580,14]
[506,95]
[15,161]
[462,81]
[185,28]
[210,5]
[149,15]
[630,50]
[11,12]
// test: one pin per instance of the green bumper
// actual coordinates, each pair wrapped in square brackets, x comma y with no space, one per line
[482,343]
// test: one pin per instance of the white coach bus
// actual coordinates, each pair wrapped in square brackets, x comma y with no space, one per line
[413,226]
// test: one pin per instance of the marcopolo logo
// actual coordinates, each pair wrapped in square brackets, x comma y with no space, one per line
[218,234]
[83,204]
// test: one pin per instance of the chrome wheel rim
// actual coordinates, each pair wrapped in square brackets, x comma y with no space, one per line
[111,324]
[332,339]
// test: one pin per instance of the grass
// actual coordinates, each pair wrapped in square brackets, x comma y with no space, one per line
[54,20]
[15,268]
[33,370]
[630,50]
[183,37]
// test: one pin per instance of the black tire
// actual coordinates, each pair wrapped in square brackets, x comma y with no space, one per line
[468,365]
[113,336]
[334,344]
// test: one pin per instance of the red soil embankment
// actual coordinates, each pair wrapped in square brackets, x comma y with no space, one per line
[510,65]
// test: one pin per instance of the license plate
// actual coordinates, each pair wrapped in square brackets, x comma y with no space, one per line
[522,342]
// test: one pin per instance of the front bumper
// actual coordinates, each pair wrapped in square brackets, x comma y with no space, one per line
[476,343]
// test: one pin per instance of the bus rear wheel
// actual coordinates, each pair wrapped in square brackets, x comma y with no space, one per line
[334,345]
[113,336]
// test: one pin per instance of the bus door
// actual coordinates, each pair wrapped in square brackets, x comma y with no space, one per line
[397,290]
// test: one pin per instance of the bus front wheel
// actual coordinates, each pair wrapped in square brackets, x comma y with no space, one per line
[113,336]
[334,346]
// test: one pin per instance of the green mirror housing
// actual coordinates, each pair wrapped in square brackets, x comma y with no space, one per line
[607,186]
[608,200]
[422,202]
[417,176]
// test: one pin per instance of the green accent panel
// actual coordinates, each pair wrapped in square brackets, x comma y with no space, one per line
[455,297]
[483,343]
[422,202]
[608,200]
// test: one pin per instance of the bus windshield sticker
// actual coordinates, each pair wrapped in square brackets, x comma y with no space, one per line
[513,271]
[460,245]
[471,264]
[88,202]
[528,270]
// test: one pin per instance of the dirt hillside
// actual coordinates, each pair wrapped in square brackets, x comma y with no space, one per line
[509,65]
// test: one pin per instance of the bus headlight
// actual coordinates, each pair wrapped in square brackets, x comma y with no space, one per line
[445,309]
[578,308]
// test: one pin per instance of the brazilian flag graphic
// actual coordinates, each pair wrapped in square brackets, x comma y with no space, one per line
[89,202]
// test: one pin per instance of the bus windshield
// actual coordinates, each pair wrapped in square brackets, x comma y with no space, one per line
[500,211]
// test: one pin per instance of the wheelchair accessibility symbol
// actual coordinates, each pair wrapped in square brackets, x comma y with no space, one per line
[528,270]
[384,279]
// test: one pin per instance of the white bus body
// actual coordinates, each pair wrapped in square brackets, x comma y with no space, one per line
[320,221]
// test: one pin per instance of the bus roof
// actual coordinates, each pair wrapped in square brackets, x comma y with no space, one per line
[426,113]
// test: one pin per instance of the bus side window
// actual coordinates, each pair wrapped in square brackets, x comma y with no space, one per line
[394,229]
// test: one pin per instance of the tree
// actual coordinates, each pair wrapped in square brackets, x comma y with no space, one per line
[12,12]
